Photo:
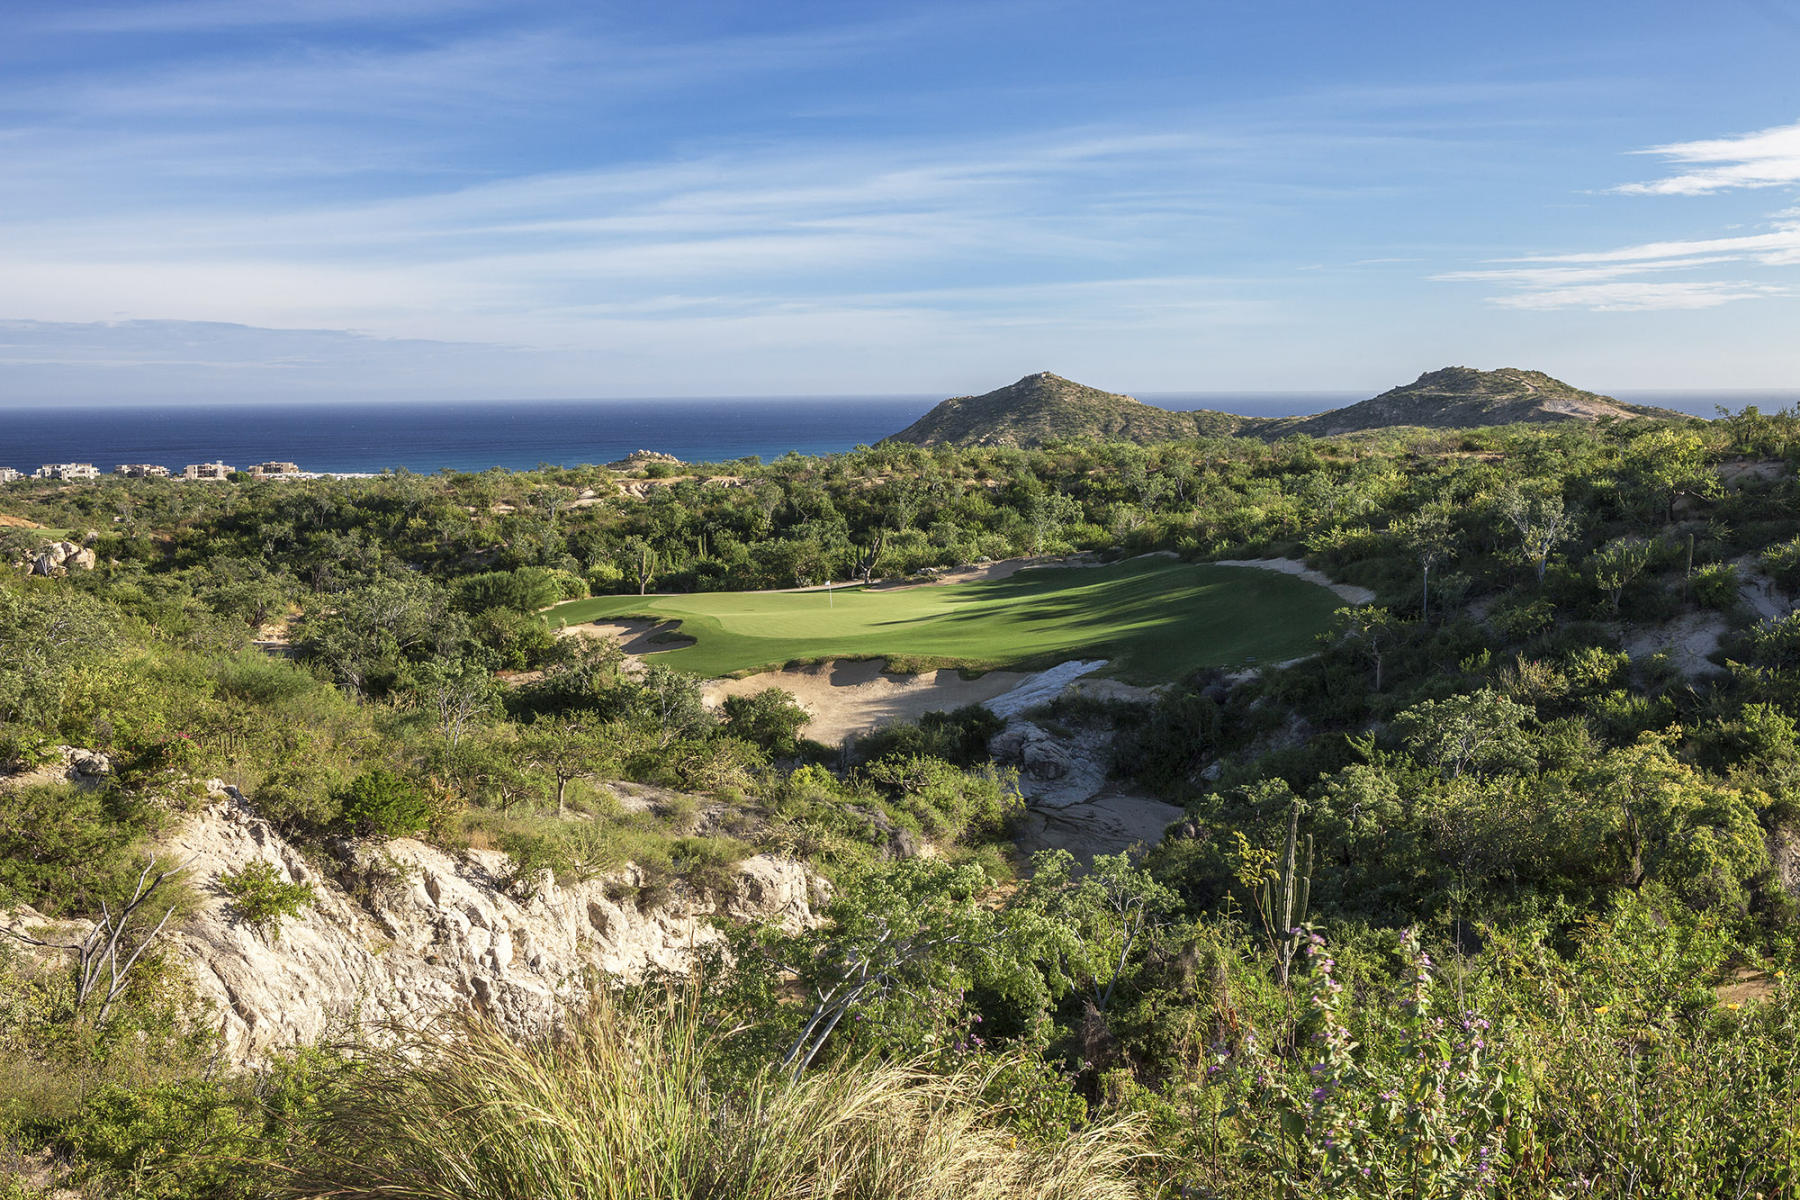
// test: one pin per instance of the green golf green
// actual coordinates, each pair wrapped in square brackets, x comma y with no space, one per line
[1155,619]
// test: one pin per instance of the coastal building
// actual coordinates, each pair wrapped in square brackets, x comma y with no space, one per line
[274,470]
[141,471]
[85,471]
[211,470]
[7,475]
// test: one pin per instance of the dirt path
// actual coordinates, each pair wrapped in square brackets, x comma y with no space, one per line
[1293,566]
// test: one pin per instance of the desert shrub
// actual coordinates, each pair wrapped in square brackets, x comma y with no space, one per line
[960,736]
[297,797]
[382,803]
[947,803]
[256,678]
[708,864]
[64,849]
[525,590]
[1715,585]
[261,896]
[1177,734]
[521,640]
[638,1115]
[1427,1119]
[771,718]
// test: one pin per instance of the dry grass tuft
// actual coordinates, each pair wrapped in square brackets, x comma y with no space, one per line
[619,1107]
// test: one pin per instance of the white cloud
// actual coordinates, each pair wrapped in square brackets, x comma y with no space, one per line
[1769,158]
[1626,278]
[1640,296]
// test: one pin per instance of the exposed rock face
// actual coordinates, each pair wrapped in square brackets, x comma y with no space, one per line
[59,558]
[1070,802]
[431,930]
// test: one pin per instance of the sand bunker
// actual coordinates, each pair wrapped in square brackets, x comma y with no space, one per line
[636,638]
[852,697]
[1293,566]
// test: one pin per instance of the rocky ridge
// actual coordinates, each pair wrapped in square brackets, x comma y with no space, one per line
[1044,407]
[422,929]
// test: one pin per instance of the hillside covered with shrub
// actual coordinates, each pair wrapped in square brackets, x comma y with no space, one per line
[1492,895]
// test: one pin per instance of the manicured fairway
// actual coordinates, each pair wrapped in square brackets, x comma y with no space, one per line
[1156,619]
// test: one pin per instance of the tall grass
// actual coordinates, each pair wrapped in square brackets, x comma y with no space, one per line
[620,1106]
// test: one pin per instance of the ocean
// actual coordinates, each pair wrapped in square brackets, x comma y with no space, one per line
[521,434]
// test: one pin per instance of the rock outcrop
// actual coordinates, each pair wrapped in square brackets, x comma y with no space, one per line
[59,558]
[1070,801]
[420,929]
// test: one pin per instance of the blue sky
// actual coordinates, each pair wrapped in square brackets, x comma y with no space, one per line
[290,198]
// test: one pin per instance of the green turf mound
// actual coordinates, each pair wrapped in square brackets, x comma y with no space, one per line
[1155,619]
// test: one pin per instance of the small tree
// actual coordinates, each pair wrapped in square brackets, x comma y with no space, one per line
[565,749]
[1466,733]
[456,694]
[263,897]
[1370,629]
[1427,534]
[1542,524]
[383,803]
[1617,565]
[101,974]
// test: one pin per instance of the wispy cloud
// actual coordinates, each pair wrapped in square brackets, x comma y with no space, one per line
[183,16]
[1642,296]
[1769,158]
[1634,278]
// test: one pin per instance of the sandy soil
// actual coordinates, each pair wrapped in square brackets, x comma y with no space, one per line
[1687,640]
[8,522]
[1291,566]
[851,697]
[1107,823]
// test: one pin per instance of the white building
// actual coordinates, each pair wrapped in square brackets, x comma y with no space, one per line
[67,471]
[141,471]
[7,475]
[211,470]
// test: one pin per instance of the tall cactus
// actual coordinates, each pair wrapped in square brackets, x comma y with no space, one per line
[1285,896]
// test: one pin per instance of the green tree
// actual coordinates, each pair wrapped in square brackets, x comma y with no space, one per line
[1427,533]
[770,718]
[567,748]
[1542,524]
[1477,732]
[383,803]
[457,694]
[1618,564]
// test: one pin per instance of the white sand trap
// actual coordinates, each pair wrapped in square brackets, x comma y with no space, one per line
[634,637]
[1293,566]
[856,696]
[1042,688]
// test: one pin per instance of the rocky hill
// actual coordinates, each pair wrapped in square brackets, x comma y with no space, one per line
[1041,408]
[1465,398]
[1044,407]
